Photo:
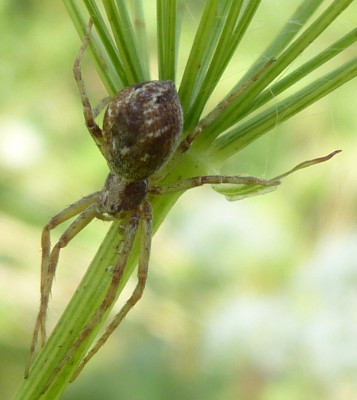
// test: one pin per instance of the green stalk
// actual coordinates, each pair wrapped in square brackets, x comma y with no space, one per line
[84,302]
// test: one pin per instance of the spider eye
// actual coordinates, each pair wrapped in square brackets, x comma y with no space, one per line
[142,126]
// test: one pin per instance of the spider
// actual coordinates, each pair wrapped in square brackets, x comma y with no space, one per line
[141,131]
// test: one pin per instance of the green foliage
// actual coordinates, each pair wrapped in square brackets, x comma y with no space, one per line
[245,114]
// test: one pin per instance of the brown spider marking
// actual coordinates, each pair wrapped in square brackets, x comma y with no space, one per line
[141,130]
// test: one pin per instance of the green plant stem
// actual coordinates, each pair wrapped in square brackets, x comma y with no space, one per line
[84,302]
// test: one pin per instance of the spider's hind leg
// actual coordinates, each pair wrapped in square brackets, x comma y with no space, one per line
[111,293]
[86,208]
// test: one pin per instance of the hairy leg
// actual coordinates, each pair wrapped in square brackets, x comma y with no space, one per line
[146,236]
[86,208]
[119,267]
[190,183]
[89,113]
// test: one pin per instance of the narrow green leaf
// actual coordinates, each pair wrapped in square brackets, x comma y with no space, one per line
[310,66]
[242,135]
[205,41]
[107,42]
[227,44]
[141,35]
[242,104]
[125,40]
[167,38]
[292,27]
[241,192]
[103,61]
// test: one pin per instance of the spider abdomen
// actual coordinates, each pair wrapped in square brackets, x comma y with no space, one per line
[142,126]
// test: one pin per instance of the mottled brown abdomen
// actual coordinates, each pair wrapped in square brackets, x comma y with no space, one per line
[142,126]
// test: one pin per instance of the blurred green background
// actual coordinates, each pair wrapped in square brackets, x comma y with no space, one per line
[249,300]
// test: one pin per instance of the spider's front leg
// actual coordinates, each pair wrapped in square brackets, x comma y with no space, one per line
[87,210]
[190,183]
[89,113]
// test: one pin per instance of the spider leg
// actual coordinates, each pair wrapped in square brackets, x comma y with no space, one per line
[209,118]
[100,106]
[89,113]
[119,267]
[185,184]
[86,208]
[146,235]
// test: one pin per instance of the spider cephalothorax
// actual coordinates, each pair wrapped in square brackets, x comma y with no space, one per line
[119,196]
